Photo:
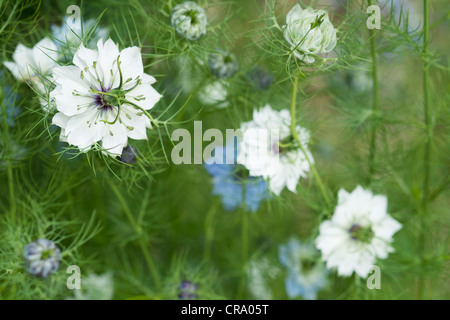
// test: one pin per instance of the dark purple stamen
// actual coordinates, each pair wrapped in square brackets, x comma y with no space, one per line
[101,101]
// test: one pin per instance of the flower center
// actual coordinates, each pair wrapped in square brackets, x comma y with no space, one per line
[193,15]
[307,265]
[240,173]
[109,99]
[103,103]
[46,254]
[284,146]
[359,233]
[318,22]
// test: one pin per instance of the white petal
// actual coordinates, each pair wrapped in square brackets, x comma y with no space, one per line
[81,132]
[107,61]
[84,58]
[131,63]
[114,139]
[136,122]
[60,120]
[45,55]
[144,95]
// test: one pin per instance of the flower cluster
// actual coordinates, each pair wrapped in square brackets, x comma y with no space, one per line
[101,97]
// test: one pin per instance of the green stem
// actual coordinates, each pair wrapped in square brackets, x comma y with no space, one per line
[145,247]
[9,170]
[373,146]
[244,256]
[423,212]
[209,232]
[295,136]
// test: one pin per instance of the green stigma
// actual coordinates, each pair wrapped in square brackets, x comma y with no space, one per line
[359,233]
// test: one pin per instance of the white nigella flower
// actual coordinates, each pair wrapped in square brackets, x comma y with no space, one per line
[309,32]
[359,232]
[103,98]
[95,287]
[268,149]
[189,20]
[42,257]
[215,94]
[260,272]
[223,64]
[306,272]
[33,65]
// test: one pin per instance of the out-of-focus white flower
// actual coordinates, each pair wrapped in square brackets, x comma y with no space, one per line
[261,78]
[360,79]
[42,257]
[309,33]
[95,287]
[268,149]
[215,94]
[359,232]
[189,20]
[259,272]
[65,35]
[306,272]
[33,65]
[404,10]
[223,64]
[189,73]
[103,98]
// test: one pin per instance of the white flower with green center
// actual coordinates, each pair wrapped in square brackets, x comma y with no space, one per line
[189,20]
[34,65]
[104,98]
[359,232]
[268,149]
[309,33]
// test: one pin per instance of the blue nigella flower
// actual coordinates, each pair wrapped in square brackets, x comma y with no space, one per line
[188,290]
[261,78]
[229,181]
[306,272]
[129,155]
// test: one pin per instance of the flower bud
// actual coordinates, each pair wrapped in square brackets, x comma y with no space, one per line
[309,32]
[189,20]
[223,64]
[42,257]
